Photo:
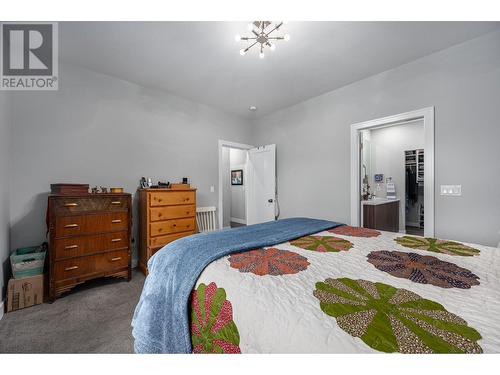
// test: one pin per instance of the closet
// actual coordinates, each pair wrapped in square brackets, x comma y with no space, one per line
[414,191]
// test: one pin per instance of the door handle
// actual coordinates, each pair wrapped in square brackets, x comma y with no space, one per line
[270,200]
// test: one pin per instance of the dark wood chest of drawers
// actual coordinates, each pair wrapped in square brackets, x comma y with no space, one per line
[89,237]
[165,216]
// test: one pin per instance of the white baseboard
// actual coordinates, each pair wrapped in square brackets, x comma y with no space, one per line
[239,221]
[1,309]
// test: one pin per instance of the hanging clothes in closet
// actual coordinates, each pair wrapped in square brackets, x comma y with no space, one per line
[411,184]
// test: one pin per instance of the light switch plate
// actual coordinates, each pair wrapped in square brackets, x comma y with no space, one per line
[451,190]
[212,189]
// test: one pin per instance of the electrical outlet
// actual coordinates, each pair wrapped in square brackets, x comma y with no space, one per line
[451,190]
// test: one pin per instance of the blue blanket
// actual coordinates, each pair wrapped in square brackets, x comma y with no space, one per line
[161,319]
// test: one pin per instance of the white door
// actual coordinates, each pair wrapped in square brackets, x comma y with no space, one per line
[261,198]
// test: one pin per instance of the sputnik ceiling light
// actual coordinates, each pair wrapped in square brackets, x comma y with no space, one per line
[262,31]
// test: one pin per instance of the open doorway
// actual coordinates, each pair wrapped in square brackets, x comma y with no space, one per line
[247,184]
[235,165]
[392,193]
[233,159]
[392,173]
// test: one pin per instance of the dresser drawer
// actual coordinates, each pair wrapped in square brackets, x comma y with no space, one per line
[167,198]
[64,206]
[89,224]
[112,261]
[71,268]
[161,241]
[171,212]
[79,246]
[172,226]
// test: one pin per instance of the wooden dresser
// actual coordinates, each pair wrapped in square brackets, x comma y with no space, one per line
[165,216]
[89,237]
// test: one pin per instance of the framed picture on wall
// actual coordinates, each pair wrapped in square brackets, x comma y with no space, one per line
[237,177]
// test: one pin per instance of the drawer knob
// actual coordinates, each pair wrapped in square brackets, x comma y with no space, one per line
[159,199]
[116,240]
[71,226]
[71,205]
[71,268]
[116,221]
[159,214]
[116,202]
[69,247]
[174,225]
[115,259]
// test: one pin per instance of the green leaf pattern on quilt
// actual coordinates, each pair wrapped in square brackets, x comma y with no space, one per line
[437,246]
[322,244]
[212,326]
[394,320]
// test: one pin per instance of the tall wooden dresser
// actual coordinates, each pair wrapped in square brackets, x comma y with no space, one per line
[89,237]
[165,216]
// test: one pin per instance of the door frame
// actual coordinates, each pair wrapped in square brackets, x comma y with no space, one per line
[240,146]
[425,114]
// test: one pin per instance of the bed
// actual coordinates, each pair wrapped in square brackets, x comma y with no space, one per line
[313,286]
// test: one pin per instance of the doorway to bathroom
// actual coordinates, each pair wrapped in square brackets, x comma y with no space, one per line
[392,173]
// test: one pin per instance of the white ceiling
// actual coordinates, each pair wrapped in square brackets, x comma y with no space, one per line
[201,61]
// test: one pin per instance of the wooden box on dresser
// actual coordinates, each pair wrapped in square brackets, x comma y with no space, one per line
[89,237]
[165,216]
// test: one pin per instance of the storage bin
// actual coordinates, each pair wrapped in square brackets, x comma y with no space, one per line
[28,261]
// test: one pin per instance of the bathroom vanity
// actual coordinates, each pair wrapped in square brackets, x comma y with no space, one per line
[381,213]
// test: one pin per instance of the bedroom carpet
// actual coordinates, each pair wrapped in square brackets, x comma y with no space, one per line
[93,318]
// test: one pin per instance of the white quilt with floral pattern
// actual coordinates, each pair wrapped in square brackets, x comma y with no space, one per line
[350,290]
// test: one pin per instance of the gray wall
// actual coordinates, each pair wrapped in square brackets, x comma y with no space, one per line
[462,82]
[103,131]
[4,191]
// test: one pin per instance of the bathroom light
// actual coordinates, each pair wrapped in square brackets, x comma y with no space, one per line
[273,47]
[252,108]
[286,37]
[261,55]
[237,37]
[242,52]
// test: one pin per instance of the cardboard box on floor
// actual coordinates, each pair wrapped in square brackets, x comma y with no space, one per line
[24,292]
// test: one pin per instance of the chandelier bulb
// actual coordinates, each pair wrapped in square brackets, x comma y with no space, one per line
[250,26]
[272,47]
[261,55]
[286,37]
[242,52]
[237,37]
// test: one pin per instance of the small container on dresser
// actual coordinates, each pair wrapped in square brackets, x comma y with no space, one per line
[89,237]
[165,216]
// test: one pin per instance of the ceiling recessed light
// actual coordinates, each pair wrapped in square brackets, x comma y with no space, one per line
[252,108]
